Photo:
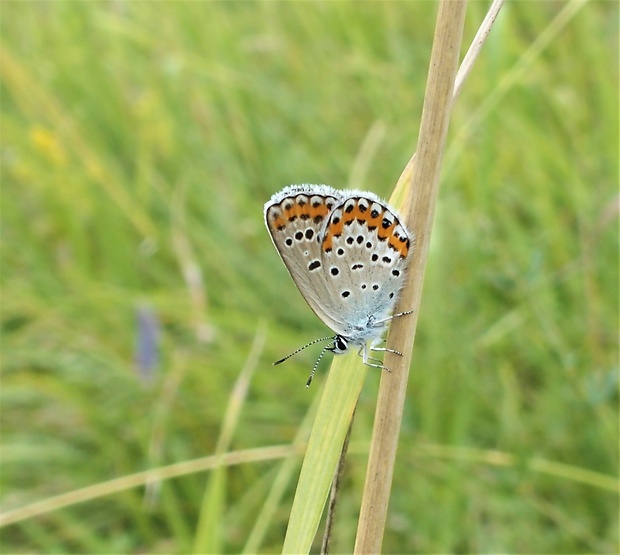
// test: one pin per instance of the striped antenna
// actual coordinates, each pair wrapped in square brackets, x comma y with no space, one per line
[301,349]
[316,364]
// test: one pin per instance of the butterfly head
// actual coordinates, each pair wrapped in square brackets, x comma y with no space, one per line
[339,345]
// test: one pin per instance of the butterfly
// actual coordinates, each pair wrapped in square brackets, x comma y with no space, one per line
[347,251]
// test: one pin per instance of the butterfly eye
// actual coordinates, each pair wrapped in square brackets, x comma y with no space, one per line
[340,344]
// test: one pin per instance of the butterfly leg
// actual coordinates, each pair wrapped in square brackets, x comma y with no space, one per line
[373,347]
[375,342]
[371,361]
[363,353]
[383,320]
[387,351]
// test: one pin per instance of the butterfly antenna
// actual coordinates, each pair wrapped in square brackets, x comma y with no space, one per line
[316,364]
[301,349]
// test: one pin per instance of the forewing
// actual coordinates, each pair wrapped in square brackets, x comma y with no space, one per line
[296,218]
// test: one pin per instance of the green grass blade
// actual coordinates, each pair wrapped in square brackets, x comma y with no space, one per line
[342,390]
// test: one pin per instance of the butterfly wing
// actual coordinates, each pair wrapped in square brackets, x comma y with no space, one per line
[365,252]
[296,219]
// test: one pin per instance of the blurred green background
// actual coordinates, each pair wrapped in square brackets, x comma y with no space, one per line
[139,143]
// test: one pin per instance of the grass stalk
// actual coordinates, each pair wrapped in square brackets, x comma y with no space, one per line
[418,213]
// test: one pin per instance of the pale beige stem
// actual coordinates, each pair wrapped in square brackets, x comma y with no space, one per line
[418,212]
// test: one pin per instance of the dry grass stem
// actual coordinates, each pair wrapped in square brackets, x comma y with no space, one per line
[419,213]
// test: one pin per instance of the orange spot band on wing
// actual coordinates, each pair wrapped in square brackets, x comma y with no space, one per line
[320,210]
[399,245]
[385,232]
[304,210]
[355,214]
[293,212]
[375,222]
[336,228]
[278,222]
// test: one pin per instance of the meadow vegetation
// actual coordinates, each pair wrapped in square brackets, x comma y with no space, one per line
[139,143]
